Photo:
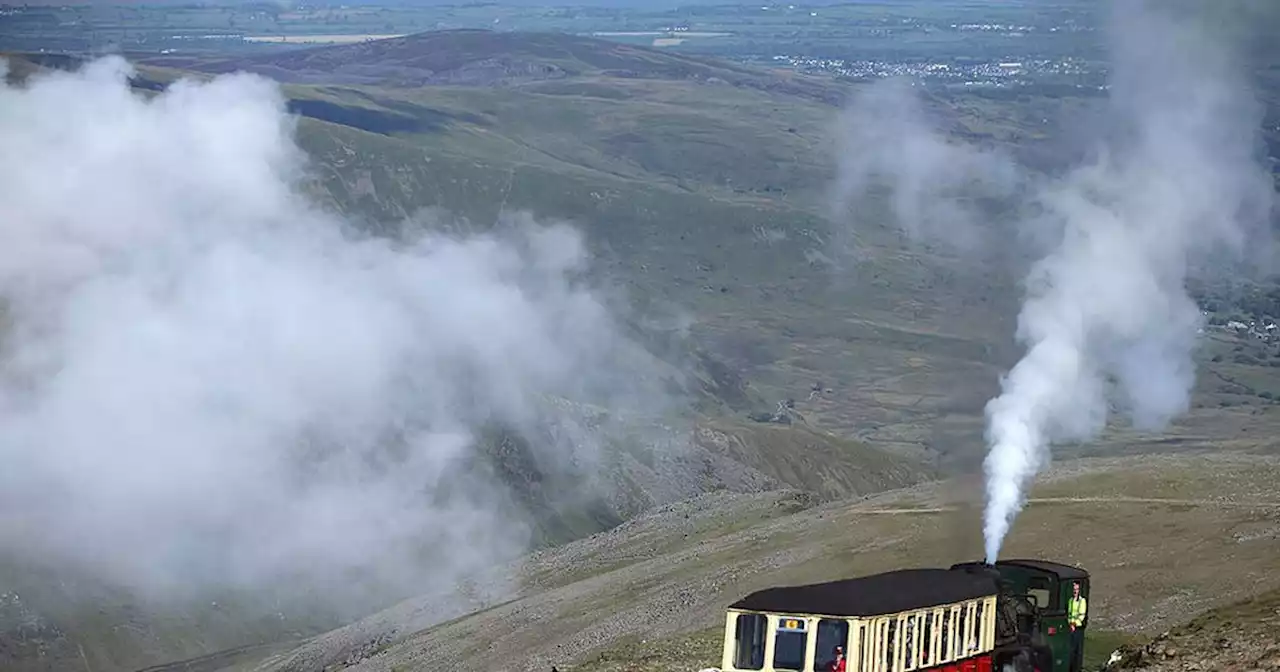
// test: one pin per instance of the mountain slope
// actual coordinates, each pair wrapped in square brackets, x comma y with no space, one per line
[1244,635]
[487,58]
[49,621]
[701,200]
[757,272]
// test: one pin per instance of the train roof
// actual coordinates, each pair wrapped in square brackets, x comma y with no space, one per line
[887,593]
[1064,572]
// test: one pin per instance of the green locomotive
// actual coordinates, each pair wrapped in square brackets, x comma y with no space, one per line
[972,617]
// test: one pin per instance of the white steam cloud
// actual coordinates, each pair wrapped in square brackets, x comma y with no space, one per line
[209,381]
[934,188]
[1109,309]
[1107,321]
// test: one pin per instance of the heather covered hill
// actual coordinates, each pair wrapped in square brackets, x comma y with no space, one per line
[488,58]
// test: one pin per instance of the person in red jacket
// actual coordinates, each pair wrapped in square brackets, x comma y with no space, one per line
[837,664]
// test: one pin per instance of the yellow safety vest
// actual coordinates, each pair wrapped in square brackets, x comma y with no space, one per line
[1076,611]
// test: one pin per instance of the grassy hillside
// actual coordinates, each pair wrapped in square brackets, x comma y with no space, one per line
[703,198]
[711,206]
[486,58]
[721,455]
[54,619]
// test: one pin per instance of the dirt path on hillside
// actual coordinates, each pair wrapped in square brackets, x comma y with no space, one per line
[220,661]
[1082,500]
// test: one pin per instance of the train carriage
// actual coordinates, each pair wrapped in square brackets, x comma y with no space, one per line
[969,618]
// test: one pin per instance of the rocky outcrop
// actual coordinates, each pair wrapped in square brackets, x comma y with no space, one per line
[1241,637]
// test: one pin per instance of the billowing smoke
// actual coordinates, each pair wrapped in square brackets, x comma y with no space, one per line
[208,381]
[896,164]
[1174,184]
[1107,317]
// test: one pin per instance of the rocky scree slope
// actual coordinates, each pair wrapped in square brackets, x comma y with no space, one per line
[1241,637]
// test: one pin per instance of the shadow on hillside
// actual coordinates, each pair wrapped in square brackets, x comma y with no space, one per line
[365,119]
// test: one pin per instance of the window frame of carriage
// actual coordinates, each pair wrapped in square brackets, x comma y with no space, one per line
[940,621]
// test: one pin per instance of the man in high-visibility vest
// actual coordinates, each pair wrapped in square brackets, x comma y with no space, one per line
[1077,612]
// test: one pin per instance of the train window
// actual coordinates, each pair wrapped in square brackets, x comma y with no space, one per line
[790,642]
[875,643]
[971,634]
[749,635]
[926,642]
[945,646]
[927,652]
[830,635]
[977,624]
[955,632]
[962,631]
[862,645]
[909,642]
[890,641]
[1044,591]
[886,645]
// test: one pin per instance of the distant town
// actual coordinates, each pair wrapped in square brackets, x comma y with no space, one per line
[990,73]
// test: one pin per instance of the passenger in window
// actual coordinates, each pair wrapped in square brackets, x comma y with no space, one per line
[910,639]
[837,663]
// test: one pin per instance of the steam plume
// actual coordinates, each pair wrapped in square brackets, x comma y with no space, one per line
[1173,187]
[1108,309]
[934,188]
[210,382]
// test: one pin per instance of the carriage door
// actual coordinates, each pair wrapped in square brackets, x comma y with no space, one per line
[749,634]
